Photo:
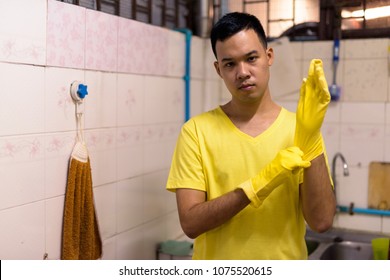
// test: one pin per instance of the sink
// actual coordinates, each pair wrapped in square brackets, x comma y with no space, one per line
[311,245]
[348,250]
[340,244]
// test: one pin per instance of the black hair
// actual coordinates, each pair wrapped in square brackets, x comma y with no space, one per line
[233,23]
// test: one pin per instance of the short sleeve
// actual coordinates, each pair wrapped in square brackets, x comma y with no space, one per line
[186,168]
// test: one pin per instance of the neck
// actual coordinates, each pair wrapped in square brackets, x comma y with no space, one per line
[252,119]
[245,111]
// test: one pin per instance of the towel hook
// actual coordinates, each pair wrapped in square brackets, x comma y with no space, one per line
[78,91]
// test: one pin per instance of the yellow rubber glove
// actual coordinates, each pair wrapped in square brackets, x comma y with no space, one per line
[312,106]
[286,163]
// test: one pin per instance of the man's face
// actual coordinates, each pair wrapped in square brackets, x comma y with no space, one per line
[243,63]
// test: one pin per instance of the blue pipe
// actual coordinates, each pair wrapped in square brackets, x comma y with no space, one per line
[187,75]
[352,210]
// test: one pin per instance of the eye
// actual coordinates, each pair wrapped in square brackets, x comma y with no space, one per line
[252,58]
[228,64]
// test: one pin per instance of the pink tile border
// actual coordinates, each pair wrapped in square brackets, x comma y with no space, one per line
[86,39]
[142,49]
[101,41]
[24,148]
[65,35]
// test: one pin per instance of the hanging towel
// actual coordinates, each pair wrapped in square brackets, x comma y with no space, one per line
[80,237]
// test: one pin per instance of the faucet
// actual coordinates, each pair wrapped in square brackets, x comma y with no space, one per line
[345,168]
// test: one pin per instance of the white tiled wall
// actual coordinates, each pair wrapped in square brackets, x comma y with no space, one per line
[133,113]
[358,125]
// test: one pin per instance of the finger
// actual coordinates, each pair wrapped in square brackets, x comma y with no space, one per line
[320,75]
[303,88]
[325,96]
[305,164]
[300,165]
[311,67]
[322,84]
[296,150]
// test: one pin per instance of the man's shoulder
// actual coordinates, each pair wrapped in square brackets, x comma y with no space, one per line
[288,114]
[205,122]
[206,117]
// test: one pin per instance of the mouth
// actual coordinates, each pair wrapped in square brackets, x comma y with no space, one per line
[246,86]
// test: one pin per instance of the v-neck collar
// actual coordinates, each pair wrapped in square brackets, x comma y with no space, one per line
[269,130]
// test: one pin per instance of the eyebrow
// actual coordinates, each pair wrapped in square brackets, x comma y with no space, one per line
[246,55]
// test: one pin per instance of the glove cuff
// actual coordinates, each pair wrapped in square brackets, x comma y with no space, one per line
[258,188]
[315,150]
[247,187]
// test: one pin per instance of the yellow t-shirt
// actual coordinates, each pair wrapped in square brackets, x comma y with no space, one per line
[214,156]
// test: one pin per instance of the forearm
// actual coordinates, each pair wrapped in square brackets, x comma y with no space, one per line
[197,216]
[317,197]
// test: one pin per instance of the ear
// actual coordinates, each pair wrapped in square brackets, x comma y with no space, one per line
[270,56]
[216,66]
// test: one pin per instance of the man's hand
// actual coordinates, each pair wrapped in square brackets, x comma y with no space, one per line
[286,163]
[311,110]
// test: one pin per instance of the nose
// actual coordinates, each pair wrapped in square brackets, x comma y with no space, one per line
[242,72]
